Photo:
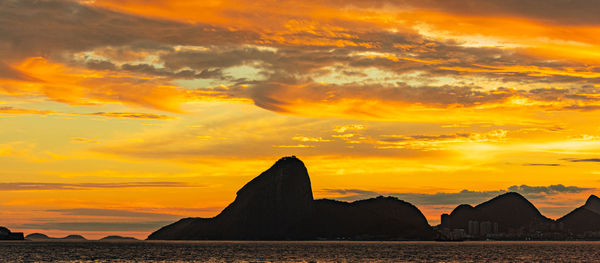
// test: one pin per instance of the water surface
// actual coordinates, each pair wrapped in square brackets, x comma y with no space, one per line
[258,251]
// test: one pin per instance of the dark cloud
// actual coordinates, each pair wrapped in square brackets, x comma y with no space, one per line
[591,160]
[100,65]
[12,110]
[551,11]
[130,115]
[114,213]
[572,12]
[582,107]
[462,197]
[181,74]
[286,71]
[352,192]
[273,96]
[26,186]
[97,226]
[551,189]
[41,28]
[542,164]
[7,72]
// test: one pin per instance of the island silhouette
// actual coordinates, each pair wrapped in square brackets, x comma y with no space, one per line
[44,237]
[279,205]
[6,234]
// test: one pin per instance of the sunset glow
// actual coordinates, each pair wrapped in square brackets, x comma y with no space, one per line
[121,116]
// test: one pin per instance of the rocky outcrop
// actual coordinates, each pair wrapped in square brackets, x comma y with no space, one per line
[583,219]
[279,205]
[6,234]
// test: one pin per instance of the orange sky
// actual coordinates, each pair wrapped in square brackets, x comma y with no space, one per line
[121,116]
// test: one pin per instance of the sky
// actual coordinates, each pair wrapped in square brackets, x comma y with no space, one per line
[121,116]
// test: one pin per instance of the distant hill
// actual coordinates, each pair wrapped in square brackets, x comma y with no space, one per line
[74,237]
[278,205]
[118,238]
[37,236]
[6,234]
[583,219]
[41,237]
[507,213]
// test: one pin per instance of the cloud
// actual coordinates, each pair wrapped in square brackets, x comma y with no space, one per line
[131,115]
[89,55]
[39,28]
[350,127]
[281,96]
[309,139]
[12,110]
[433,142]
[591,160]
[574,12]
[541,164]
[97,226]
[7,72]
[551,189]
[95,212]
[462,197]
[29,186]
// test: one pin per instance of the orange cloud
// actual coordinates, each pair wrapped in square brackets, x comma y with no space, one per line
[90,87]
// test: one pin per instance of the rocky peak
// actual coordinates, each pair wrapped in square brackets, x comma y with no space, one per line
[287,178]
[593,204]
[272,203]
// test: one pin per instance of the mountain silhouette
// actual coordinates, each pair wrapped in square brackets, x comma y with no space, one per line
[583,219]
[118,238]
[41,237]
[6,234]
[278,205]
[381,218]
[37,236]
[74,237]
[511,212]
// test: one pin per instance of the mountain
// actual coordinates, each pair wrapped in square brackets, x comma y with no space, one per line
[583,219]
[118,238]
[278,205]
[593,204]
[381,218]
[6,234]
[74,238]
[507,213]
[37,236]
[42,237]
